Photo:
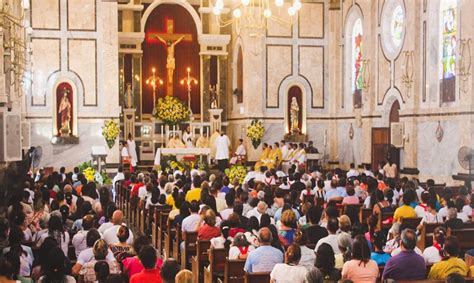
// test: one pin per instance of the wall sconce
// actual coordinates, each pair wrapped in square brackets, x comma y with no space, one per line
[439,132]
[464,63]
[351,132]
[365,75]
[407,74]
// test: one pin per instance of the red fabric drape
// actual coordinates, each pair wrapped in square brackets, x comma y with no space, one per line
[186,55]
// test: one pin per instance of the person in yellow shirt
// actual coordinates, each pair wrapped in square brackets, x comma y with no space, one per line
[264,156]
[276,156]
[195,192]
[405,211]
[452,264]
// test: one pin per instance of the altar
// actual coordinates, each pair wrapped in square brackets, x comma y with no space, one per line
[181,152]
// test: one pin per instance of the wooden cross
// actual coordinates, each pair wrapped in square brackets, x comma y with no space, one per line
[170,40]
[169,34]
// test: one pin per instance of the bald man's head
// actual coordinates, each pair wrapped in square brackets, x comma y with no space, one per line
[117,217]
[265,236]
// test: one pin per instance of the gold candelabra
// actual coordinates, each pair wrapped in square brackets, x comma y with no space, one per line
[188,81]
[154,80]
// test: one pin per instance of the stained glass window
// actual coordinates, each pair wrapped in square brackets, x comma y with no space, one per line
[357,47]
[396,25]
[448,29]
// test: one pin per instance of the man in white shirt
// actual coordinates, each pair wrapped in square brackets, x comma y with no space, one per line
[110,235]
[119,177]
[143,191]
[79,240]
[222,151]
[190,223]
[257,211]
[87,255]
[367,171]
[352,172]
[331,239]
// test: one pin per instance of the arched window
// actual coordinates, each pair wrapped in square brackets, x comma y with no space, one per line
[447,49]
[356,63]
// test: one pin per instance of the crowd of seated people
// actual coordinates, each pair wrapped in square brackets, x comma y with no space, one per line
[303,226]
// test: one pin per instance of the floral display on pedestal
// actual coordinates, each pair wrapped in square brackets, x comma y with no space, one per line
[255,132]
[110,132]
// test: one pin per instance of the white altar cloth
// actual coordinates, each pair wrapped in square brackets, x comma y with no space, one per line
[182,152]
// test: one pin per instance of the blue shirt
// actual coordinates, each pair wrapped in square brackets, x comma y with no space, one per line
[263,259]
[225,189]
[380,258]
[332,193]
[277,215]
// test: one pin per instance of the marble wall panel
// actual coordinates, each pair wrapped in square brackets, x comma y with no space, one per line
[311,20]
[86,19]
[41,8]
[435,158]
[312,68]
[46,61]
[280,28]
[279,65]
[89,133]
[383,76]
[84,63]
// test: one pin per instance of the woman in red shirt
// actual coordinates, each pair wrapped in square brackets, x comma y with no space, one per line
[209,229]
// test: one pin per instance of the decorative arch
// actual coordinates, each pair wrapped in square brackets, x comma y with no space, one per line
[353,52]
[306,93]
[182,3]
[393,95]
[238,68]
[77,91]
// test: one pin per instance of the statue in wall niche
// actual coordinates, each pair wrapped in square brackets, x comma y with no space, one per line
[213,96]
[294,111]
[129,96]
[64,113]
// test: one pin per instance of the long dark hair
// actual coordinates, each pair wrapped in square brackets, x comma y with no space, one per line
[55,268]
[360,249]
[325,260]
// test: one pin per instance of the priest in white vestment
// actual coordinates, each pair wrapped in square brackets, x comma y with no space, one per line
[222,144]
[132,151]
[239,154]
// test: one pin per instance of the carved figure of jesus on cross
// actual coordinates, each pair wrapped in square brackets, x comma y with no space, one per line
[171,39]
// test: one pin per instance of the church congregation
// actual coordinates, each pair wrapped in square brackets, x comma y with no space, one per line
[236,141]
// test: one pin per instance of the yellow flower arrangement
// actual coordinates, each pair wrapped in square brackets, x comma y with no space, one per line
[236,171]
[255,132]
[110,132]
[89,174]
[175,165]
[171,111]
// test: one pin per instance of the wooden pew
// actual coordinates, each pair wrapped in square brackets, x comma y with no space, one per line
[162,222]
[200,259]
[175,242]
[365,213]
[257,277]
[465,238]
[426,235]
[234,271]
[189,239]
[169,235]
[382,217]
[216,266]
[411,222]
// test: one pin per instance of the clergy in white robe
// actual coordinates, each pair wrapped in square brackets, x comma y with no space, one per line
[239,154]
[188,137]
[222,144]
[284,151]
[132,150]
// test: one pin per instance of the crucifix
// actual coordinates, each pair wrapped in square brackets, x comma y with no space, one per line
[171,39]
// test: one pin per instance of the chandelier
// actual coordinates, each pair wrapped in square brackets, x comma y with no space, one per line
[254,15]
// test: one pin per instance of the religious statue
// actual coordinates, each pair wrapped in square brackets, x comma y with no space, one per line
[129,96]
[170,61]
[213,96]
[64,113]
[294,113]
